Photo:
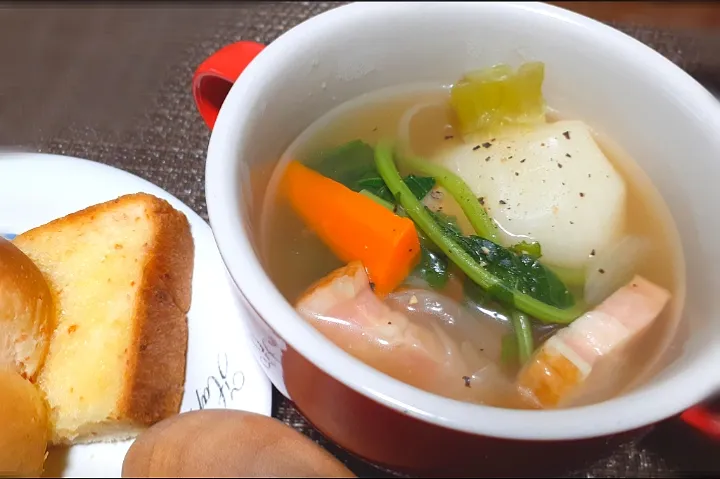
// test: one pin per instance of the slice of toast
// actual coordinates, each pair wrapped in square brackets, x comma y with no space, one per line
[120,274]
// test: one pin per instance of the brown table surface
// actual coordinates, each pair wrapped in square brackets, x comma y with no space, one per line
[113,85]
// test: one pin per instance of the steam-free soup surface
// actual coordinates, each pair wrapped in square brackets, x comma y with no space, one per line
[601,228]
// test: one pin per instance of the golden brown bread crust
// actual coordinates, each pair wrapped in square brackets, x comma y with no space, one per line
[157,375]
[23,426]
[27,312]
[155,379]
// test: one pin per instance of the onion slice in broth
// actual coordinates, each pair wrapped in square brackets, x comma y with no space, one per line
[404,132]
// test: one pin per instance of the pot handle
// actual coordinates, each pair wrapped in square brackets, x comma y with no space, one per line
[215,76]
[704,419]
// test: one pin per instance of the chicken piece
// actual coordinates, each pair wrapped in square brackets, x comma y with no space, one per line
[559,373]
[422,353]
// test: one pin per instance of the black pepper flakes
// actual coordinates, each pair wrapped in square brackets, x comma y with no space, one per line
[582,195]
[482,200]
[568,155]
[592,253]
[476,147]
[523,160]
[372,286]
[486,145]
[601,271]
[566,134]
[559,165]
[449,137]
[572,222]
[374,129]
[502,202]
[467,381]
[487,159]
[517,174]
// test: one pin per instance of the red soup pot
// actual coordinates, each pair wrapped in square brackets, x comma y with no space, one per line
[258,100]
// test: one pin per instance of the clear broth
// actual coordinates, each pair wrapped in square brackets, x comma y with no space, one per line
[295,258]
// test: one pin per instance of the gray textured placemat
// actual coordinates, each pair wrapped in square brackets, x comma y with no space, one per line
[113,85]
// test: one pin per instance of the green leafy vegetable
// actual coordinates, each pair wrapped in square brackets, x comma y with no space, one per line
[518,280]
[483,225]
[517,272]
[433,268]
[419,185]
[381,201]
[533,249]
[348,164]
[353,165]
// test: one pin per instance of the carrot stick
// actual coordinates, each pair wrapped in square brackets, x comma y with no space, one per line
[353,226]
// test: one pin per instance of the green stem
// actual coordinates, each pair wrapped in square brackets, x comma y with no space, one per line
[417,212]
[483,225]
[523,331]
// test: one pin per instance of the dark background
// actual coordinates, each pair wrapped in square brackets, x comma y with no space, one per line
[112,84]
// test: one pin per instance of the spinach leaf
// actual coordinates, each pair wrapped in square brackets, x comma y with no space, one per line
[420,186]
[353,165]
[433,268]
[447,222]
[516,272]
[348,164]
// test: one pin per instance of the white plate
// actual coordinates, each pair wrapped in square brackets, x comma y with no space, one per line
[221,371]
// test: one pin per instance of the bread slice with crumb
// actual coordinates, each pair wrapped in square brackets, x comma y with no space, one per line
[120,274]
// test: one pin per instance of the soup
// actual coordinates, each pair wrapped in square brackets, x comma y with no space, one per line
[471,242]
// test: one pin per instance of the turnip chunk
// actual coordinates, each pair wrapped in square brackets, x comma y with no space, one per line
[551,184]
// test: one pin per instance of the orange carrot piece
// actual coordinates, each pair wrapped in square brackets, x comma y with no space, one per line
[353,226]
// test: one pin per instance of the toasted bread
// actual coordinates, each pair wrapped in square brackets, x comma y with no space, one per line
[120,274]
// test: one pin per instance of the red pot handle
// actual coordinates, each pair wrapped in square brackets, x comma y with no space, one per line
[704,419]
[215,76]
